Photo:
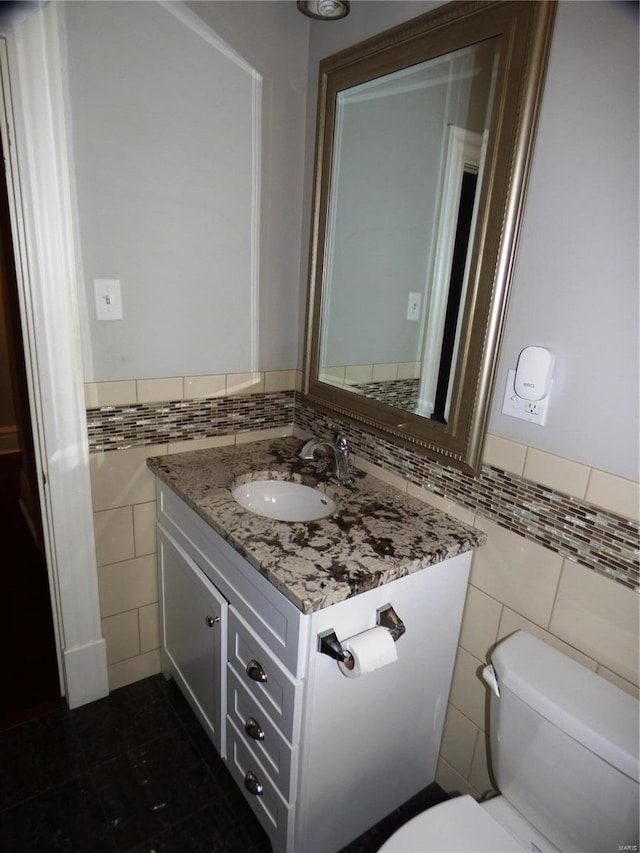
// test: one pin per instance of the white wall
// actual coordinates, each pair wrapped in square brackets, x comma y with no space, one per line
[575,285]
[176,170]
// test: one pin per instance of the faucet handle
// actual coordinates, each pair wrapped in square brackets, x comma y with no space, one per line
[340,439]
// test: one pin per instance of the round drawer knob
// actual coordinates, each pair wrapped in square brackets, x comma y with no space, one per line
[256,672]
[211,620]
[252,784]
[253,729]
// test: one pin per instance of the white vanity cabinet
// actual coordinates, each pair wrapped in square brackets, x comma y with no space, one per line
[319,756]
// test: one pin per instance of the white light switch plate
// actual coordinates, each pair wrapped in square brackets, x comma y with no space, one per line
[527,410]
[108,298]
[413,306]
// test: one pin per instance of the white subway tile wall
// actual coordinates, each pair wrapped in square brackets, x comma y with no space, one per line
[154,390]
[521,573]
[557,473]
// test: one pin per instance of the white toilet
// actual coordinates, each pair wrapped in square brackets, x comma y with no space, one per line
[564,748]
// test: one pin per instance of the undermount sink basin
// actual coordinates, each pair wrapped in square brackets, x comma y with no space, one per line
[284,500]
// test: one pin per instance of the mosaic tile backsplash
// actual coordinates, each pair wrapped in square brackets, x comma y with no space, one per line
[401,393]
[600,540]
[136,425]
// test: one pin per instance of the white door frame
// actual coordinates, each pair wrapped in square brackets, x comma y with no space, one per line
[34,136]
[464,150]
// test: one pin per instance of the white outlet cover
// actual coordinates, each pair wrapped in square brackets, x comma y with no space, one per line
[517,407]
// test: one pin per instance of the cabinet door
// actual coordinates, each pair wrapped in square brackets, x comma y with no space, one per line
[194,636]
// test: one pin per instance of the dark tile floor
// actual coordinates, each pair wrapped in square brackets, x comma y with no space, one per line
[133,772]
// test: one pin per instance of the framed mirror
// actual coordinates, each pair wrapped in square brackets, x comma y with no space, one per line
[423,147]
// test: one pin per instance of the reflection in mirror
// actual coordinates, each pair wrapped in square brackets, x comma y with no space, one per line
[423,148]
[407,161]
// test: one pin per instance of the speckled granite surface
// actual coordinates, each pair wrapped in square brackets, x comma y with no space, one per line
[377,534]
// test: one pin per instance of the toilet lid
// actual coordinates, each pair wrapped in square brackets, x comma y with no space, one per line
[457,825]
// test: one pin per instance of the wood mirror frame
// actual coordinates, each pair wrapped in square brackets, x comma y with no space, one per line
[524,31]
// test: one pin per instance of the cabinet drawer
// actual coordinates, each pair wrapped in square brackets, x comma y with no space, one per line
[261,736]
[273,812]
[278,694]
[275,619]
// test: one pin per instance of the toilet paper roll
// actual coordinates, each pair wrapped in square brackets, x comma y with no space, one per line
[369,651]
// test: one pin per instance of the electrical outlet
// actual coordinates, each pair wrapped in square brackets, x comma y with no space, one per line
[534,411]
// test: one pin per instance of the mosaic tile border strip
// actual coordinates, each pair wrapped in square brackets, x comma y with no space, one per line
[600,540]
[401,393]
[136,425]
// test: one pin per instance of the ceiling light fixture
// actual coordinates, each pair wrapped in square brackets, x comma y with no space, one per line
[324,10]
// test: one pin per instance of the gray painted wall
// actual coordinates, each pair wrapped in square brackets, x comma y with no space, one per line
[575,284]
[162,137]
[387,182]
[383,218]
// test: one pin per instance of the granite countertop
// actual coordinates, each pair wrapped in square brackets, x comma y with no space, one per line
[377,534]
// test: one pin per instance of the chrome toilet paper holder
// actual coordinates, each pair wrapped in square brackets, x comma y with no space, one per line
[386,617]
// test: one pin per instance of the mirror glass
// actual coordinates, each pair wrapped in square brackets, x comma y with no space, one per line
[407,162]
[423,148]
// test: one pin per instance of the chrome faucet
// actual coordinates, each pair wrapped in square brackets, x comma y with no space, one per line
[340,450]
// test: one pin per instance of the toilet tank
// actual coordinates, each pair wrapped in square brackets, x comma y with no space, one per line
[564,747]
